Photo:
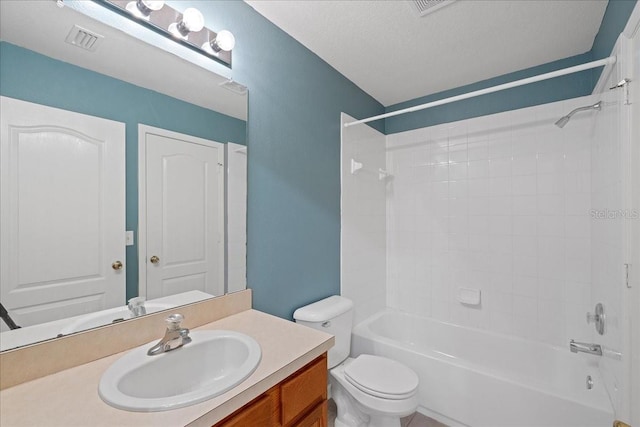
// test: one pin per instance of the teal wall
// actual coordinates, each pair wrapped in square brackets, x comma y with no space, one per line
[571,86]
[32,77]
[293,249]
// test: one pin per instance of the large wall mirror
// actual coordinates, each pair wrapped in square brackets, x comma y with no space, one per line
[114,144]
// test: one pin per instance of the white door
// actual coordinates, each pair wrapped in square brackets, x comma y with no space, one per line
[62,212]
[182,220]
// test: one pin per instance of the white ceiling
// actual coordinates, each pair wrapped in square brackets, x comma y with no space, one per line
[394,55]
[41,26]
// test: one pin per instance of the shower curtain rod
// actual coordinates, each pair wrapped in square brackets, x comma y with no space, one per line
[586,66]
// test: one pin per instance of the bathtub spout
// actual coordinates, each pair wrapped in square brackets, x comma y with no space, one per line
[584,347]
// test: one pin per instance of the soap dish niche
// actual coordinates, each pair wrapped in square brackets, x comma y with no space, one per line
[469,296]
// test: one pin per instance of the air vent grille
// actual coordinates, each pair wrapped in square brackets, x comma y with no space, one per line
[425,7]
[234,87]
[83,38]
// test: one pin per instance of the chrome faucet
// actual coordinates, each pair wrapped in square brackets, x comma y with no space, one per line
[136,306]
[174,337]
[584,347]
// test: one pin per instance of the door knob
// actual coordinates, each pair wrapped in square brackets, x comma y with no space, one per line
[117,265]
[154,259]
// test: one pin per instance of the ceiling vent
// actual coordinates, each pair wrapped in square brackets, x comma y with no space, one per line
[83,38]
[425,7]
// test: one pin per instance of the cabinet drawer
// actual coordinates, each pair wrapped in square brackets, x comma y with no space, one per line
[305,390]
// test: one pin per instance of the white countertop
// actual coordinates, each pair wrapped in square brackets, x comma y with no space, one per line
[70,398]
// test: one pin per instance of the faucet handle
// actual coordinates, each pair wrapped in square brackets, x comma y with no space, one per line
[136,306]
[597,318]
[135,302]
[173,321]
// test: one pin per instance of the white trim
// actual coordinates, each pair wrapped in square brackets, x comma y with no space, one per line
[586,66]
[633,24]
[142,212]
[143,130]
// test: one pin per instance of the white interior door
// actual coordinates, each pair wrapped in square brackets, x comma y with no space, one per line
[182,222]
[62,212]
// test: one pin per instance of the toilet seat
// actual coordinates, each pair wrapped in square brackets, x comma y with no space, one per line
[381,377]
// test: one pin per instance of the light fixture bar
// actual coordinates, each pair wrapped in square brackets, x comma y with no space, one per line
[165,21]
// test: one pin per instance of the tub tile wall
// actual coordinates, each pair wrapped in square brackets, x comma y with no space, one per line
[363,236]
[500,203]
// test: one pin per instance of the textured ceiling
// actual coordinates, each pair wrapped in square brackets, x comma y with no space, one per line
[394,55]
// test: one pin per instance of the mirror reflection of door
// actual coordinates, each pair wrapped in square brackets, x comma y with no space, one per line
[62,212]
[181,213]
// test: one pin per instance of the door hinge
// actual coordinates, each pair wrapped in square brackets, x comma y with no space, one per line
[627,280]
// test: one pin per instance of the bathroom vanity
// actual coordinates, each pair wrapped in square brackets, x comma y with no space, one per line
[288,388]
[300,400]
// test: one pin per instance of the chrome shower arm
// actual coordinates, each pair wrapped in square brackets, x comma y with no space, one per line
[596,106]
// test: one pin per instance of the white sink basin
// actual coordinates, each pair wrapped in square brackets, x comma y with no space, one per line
[211,364]
[106,317]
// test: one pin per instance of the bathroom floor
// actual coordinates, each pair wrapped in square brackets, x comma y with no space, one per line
[413,420]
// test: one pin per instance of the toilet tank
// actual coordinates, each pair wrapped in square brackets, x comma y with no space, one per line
[333,315]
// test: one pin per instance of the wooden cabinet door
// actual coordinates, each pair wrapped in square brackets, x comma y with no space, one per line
[318,417]
[304,390]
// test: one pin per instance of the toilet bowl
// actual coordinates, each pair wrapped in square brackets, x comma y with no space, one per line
[369,391]
[378,392]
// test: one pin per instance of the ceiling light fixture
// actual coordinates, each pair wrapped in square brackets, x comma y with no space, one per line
[185,28]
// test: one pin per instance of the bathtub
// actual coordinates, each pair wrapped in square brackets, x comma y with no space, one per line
[470,377]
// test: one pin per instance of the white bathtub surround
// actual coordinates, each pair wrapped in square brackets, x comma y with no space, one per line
[498,203]
[363,219]
[480,378]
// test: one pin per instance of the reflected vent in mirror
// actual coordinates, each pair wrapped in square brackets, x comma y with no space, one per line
[83,38]
[234,87]
[425,7]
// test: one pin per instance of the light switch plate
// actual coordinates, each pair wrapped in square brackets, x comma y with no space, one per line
[129,237]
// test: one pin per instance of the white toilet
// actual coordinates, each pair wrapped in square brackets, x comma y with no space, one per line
[368,390]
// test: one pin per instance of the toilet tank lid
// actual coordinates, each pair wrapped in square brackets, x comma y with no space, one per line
[323,310]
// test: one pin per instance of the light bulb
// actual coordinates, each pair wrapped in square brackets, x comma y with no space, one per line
[225,40]
[153,5]
[193,19]
[143,8]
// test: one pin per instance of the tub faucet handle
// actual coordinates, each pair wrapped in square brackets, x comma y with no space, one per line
[597,318]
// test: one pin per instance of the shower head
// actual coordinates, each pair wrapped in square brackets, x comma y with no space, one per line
[565,119]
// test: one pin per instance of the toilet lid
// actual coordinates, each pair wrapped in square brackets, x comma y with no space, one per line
[381,377]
